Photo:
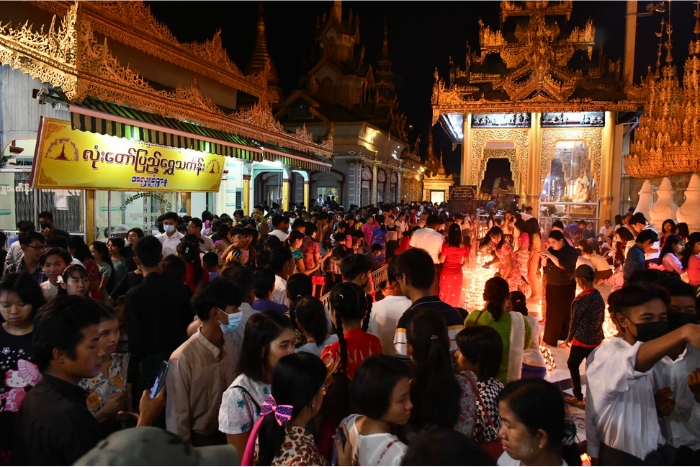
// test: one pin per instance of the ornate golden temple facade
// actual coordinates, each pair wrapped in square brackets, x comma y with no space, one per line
[113,63]
[666,142]
[546,101]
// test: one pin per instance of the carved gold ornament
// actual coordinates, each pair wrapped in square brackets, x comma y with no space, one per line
[517,156]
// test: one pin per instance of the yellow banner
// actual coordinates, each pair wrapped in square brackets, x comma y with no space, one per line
[67,158]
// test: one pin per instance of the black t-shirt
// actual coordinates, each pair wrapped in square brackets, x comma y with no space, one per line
[18,375]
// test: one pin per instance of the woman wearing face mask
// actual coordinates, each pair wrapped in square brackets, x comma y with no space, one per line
[380,392]
[268,337]
[296,395]
[74,281]
[20,298]
[108,394]
[534,429]
[199,368]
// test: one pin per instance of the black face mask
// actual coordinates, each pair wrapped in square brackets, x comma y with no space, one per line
[45,226]
[650,331]
[677,319]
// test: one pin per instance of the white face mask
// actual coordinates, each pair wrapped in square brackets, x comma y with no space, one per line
[168,228]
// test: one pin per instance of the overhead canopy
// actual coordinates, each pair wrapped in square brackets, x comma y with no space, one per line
[106,118]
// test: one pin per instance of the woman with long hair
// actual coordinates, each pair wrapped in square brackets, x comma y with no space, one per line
[440,397]
[515,331]
[380,394]
[668,228]
[311,320]
[20,299]
[452,256]
[296,395]
[521,256]
[690,259]
[299,285]
[668,257]
[534,428]
[508,223]
[624,236]
[194,274]
[532,227]
[349,307]
[505,257]
[116,247]
[268,337]
[80,251]
[682,230]
[103,259]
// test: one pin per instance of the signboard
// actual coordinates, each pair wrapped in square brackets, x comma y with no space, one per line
[73,159]
[463,199]
[572,119]
[519,120]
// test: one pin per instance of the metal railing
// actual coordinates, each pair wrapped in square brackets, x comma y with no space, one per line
[378,276]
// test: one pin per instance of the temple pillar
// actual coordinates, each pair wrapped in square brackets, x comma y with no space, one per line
[398,185]
[287,176]
[307,201]
[534,161]
[373,197]
[465,177]
[354,181]
[607,164]
[247,209]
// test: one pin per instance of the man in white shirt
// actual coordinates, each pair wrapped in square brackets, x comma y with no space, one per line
[171,238]
[194,227]
[620,405]
[681,427]
[387,312]
[431,241]
[606,231]
[527,213]
[281,227]
[282,264]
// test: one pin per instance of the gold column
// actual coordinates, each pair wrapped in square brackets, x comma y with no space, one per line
[606,167]
[307,201]
[247,210]
[534,161]
[285,194]
[465,178]
[90,216]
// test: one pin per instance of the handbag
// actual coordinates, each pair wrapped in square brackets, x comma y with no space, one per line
[493,448]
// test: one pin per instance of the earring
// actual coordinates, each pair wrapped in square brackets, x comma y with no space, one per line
[540,446]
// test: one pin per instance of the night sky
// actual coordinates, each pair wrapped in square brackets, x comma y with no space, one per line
[422,36]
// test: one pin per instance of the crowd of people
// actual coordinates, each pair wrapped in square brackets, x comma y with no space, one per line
[263,339]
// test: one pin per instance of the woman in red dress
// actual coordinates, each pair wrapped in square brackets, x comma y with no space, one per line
[452,257]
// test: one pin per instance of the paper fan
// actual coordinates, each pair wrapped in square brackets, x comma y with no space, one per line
[29,372]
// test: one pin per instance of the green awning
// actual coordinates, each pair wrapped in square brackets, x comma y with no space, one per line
[171,132]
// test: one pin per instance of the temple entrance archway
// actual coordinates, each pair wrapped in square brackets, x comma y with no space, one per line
[509,144]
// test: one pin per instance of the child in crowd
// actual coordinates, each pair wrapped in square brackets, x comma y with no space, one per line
[74,281]
[585,328]
[211,265]
[264,286]
[53,262]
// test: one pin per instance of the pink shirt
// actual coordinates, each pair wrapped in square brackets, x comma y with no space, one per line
[694,270]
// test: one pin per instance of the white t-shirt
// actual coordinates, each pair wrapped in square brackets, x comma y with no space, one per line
[620,401]
[240,405]
[505,459]
[170,243]
[279,234]
[279,294]
[429,240]
[599,263]
[606,231]
[376,449]
[311,347]
[50,291]
[384,318]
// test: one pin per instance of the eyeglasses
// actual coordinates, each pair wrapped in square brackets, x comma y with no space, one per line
[41,247]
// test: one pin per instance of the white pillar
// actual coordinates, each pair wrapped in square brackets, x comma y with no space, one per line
[630,38]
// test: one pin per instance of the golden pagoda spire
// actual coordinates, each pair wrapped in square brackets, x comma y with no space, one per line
[441,170]
[261,59]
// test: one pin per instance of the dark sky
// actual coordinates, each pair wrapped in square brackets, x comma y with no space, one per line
[422,35]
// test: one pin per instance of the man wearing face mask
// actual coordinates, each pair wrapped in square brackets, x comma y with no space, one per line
[197,376]
[171,237]
[620,392]
[47,226]
[677,375]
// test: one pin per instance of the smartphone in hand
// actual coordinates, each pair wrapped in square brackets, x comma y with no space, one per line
[160,379]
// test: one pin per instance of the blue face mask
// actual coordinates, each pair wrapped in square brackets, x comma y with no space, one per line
[234,320]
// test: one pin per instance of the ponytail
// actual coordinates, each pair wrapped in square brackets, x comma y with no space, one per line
[368,312]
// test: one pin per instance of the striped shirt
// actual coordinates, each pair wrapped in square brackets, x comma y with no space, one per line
[452,318]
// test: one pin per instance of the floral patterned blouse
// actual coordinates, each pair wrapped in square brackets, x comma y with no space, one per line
[298,448]
[466,422]
[101,387]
